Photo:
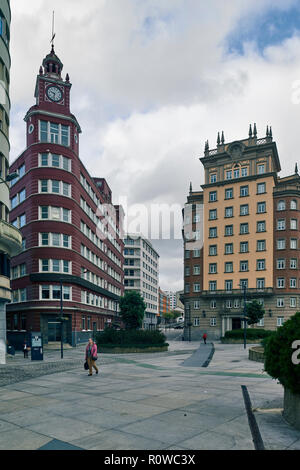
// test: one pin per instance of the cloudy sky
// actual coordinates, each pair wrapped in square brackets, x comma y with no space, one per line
[154,79]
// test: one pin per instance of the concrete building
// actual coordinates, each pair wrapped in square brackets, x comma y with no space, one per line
[141,273]
[164,303]
[10,237]
[241,230]
[72,247]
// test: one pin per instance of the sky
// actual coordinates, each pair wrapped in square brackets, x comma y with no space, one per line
[152,81]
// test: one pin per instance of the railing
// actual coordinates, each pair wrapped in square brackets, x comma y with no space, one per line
[235,292]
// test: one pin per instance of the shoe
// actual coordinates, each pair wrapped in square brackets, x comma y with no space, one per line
[97,371]
[89,375]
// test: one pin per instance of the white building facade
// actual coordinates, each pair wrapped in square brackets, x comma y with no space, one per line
[141,273]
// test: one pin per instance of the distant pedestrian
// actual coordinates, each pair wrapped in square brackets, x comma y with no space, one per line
[91,356]
[25,350]
[204,338]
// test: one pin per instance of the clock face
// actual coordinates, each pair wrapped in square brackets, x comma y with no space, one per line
[54,93]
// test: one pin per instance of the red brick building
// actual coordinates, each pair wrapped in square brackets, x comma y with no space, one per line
[71,229]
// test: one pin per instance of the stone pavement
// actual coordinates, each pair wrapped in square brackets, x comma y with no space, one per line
[145,401]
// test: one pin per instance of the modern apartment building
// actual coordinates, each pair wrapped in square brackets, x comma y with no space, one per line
[141,273]
[241,232]
[10,237]
[72,246]
[164,302]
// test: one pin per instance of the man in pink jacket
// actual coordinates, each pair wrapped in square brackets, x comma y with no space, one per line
[91,356]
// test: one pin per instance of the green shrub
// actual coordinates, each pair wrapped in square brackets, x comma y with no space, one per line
[278,354]
[252,333]
[130,338]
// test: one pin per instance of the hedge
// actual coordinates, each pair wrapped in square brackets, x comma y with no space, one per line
[133,338]
[278,354]
[252,333]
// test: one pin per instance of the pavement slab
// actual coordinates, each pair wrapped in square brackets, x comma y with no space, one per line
[141,402]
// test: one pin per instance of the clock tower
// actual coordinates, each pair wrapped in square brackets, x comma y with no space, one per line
[52,94]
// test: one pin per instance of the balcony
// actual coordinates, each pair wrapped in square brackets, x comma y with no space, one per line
[5,292]
[10,239]
[267,291]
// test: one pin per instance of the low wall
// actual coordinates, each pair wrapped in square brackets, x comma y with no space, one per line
[291,408]
[240,341]
[257,354]
[104,350]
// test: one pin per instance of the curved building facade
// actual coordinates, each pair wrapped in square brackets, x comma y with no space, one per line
[71,230]
[10,238]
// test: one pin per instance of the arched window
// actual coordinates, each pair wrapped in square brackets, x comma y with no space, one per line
[293,204]
[281,206]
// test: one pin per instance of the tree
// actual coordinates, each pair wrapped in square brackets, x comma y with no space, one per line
[254,312]
[132,308]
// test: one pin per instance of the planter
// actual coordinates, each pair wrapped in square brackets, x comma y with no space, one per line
[118,350]
[257,354]
[291,408]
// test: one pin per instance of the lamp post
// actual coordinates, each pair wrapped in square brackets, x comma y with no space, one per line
[244,287]
[9,178]
[61,321]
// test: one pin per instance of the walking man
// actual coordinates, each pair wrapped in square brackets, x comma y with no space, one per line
[204,338]
[91,356]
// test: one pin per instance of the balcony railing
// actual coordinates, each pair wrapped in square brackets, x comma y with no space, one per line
[238,292]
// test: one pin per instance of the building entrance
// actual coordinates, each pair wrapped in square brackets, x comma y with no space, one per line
[236,324]
[54,331]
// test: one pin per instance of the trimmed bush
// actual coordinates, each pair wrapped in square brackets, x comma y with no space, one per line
[252,333]
[130,338]
[278,354]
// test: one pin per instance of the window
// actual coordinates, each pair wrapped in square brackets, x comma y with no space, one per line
[280,283]
[55,187]
[213,232]
[280,244]
[213,196]
[196,270]
[228,304]
[261,188]
[293,263]
[293,243]
[281,205]
[280,321]
[22,219]
[229,248]
[213,321]
[243,283]
[236,303]
[261,169]
[213,304]
[261,264]
[55,213]
[212,268]
[244,229]
[244,247]
[244,266]
[244,209]
[244,191]
[229,174]
[228,285]
[236,173]
[213,250]
[228,230]
[293,302]
[45,292]
[261,245]
[229,212]
[197,304]
[196,253]
[261,207]
[213,178]
[260,283]
[196,321]
[213,214]
[293,205]
[293,283]
[281,224]
[187,271]
[212,286]
[228,267]
[196,287]
[294,224]
[244,171]
[56,161]
[261,226]
[229,193]
[187,253]
[280,263]
[54,133]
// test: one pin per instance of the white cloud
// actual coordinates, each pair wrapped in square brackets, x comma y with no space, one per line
[152,82]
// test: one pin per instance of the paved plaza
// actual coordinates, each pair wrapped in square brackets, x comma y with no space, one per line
[141,402]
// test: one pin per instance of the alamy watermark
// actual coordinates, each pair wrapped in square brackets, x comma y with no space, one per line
[296,354]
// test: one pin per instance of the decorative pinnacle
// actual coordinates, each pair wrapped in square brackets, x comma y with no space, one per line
[222,138]
[191,187]
[218,139]
[268,133]
[271,134]
[250,131]
[296,169]
[67,78]
[255,130]
[206,146]
[41,70]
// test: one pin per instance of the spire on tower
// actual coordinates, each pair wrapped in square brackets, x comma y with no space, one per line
[250,131]
[222,138]
[255,130]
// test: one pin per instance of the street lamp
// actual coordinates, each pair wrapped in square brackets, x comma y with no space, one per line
[9,178]
[244,287]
